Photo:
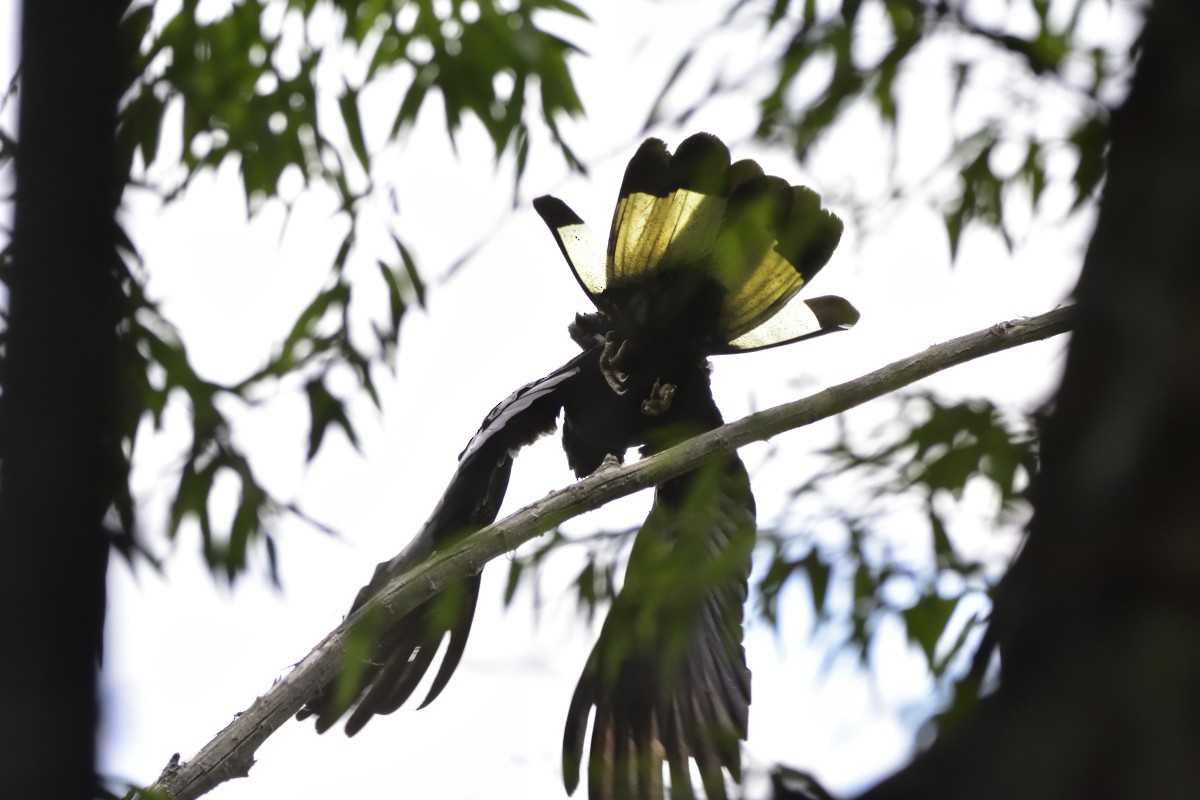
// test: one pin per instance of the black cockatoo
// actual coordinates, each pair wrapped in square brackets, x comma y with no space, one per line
[704,257]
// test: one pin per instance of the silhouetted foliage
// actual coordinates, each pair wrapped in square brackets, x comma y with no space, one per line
[248,89]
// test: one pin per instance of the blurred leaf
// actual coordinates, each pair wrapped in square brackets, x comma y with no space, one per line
[325,410]
[515,567]
[410,269]
[304,341]
[770,585]
[827,64]
[980,197]
[923,457]
[926,622]
[1033,172]
[962,73]
[191,497]
[140,129]
[356,655]
[943,550]
[585,584]
[656,108]
[1090,141]
[111,789]
[819,574]
[395,303]
[449,605]
[348,103]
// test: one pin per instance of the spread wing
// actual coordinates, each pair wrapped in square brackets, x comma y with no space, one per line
[400,655]
[667,680]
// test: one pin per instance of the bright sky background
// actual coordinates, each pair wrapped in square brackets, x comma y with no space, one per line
[184,654]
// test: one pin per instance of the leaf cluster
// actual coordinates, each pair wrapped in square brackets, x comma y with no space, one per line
[252,85]
[1057,86]
[892,556]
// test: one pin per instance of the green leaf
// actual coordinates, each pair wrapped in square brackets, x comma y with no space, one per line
[770,586]
[567,8]
[411,104]
[953,221]
[943,549]
[141,128]
[926,623]
[864,583]
[410,268]
[333,299]
[395,303]
[191,496]
[325,410]
[585,588]
[348,103]
[656,107]
[1090,142]
[246,525]
[356,655]
[272,559]
[819,574]
[962,73]
[515,567]
[1032,171]
[134,27]
[979,191]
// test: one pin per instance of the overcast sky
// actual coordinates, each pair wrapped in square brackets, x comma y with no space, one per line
[184,654]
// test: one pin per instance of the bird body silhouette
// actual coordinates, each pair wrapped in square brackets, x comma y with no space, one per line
[704,257]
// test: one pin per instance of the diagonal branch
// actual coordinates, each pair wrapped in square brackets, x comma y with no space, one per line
[230,754]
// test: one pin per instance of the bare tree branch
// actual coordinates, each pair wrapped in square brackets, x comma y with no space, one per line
[230,754]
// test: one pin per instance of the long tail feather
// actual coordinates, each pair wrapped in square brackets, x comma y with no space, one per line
[680,688]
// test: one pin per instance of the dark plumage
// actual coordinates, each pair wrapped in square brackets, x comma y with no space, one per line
[704,257]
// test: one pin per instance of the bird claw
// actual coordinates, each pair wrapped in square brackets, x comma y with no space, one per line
[659,401]
[610,364]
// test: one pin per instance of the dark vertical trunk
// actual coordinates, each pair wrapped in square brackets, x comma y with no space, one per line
[57,429]
[1099,619]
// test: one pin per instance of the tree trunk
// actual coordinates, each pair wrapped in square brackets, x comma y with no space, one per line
[1099,619]
[58,432]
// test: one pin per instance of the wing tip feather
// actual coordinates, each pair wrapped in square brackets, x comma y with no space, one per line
[554,212]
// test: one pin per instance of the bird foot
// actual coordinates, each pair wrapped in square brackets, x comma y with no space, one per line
[659,401]
[610,363]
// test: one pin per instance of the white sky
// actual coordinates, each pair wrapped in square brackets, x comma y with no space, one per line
[185,654]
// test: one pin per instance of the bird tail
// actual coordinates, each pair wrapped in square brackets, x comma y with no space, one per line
[667,678]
